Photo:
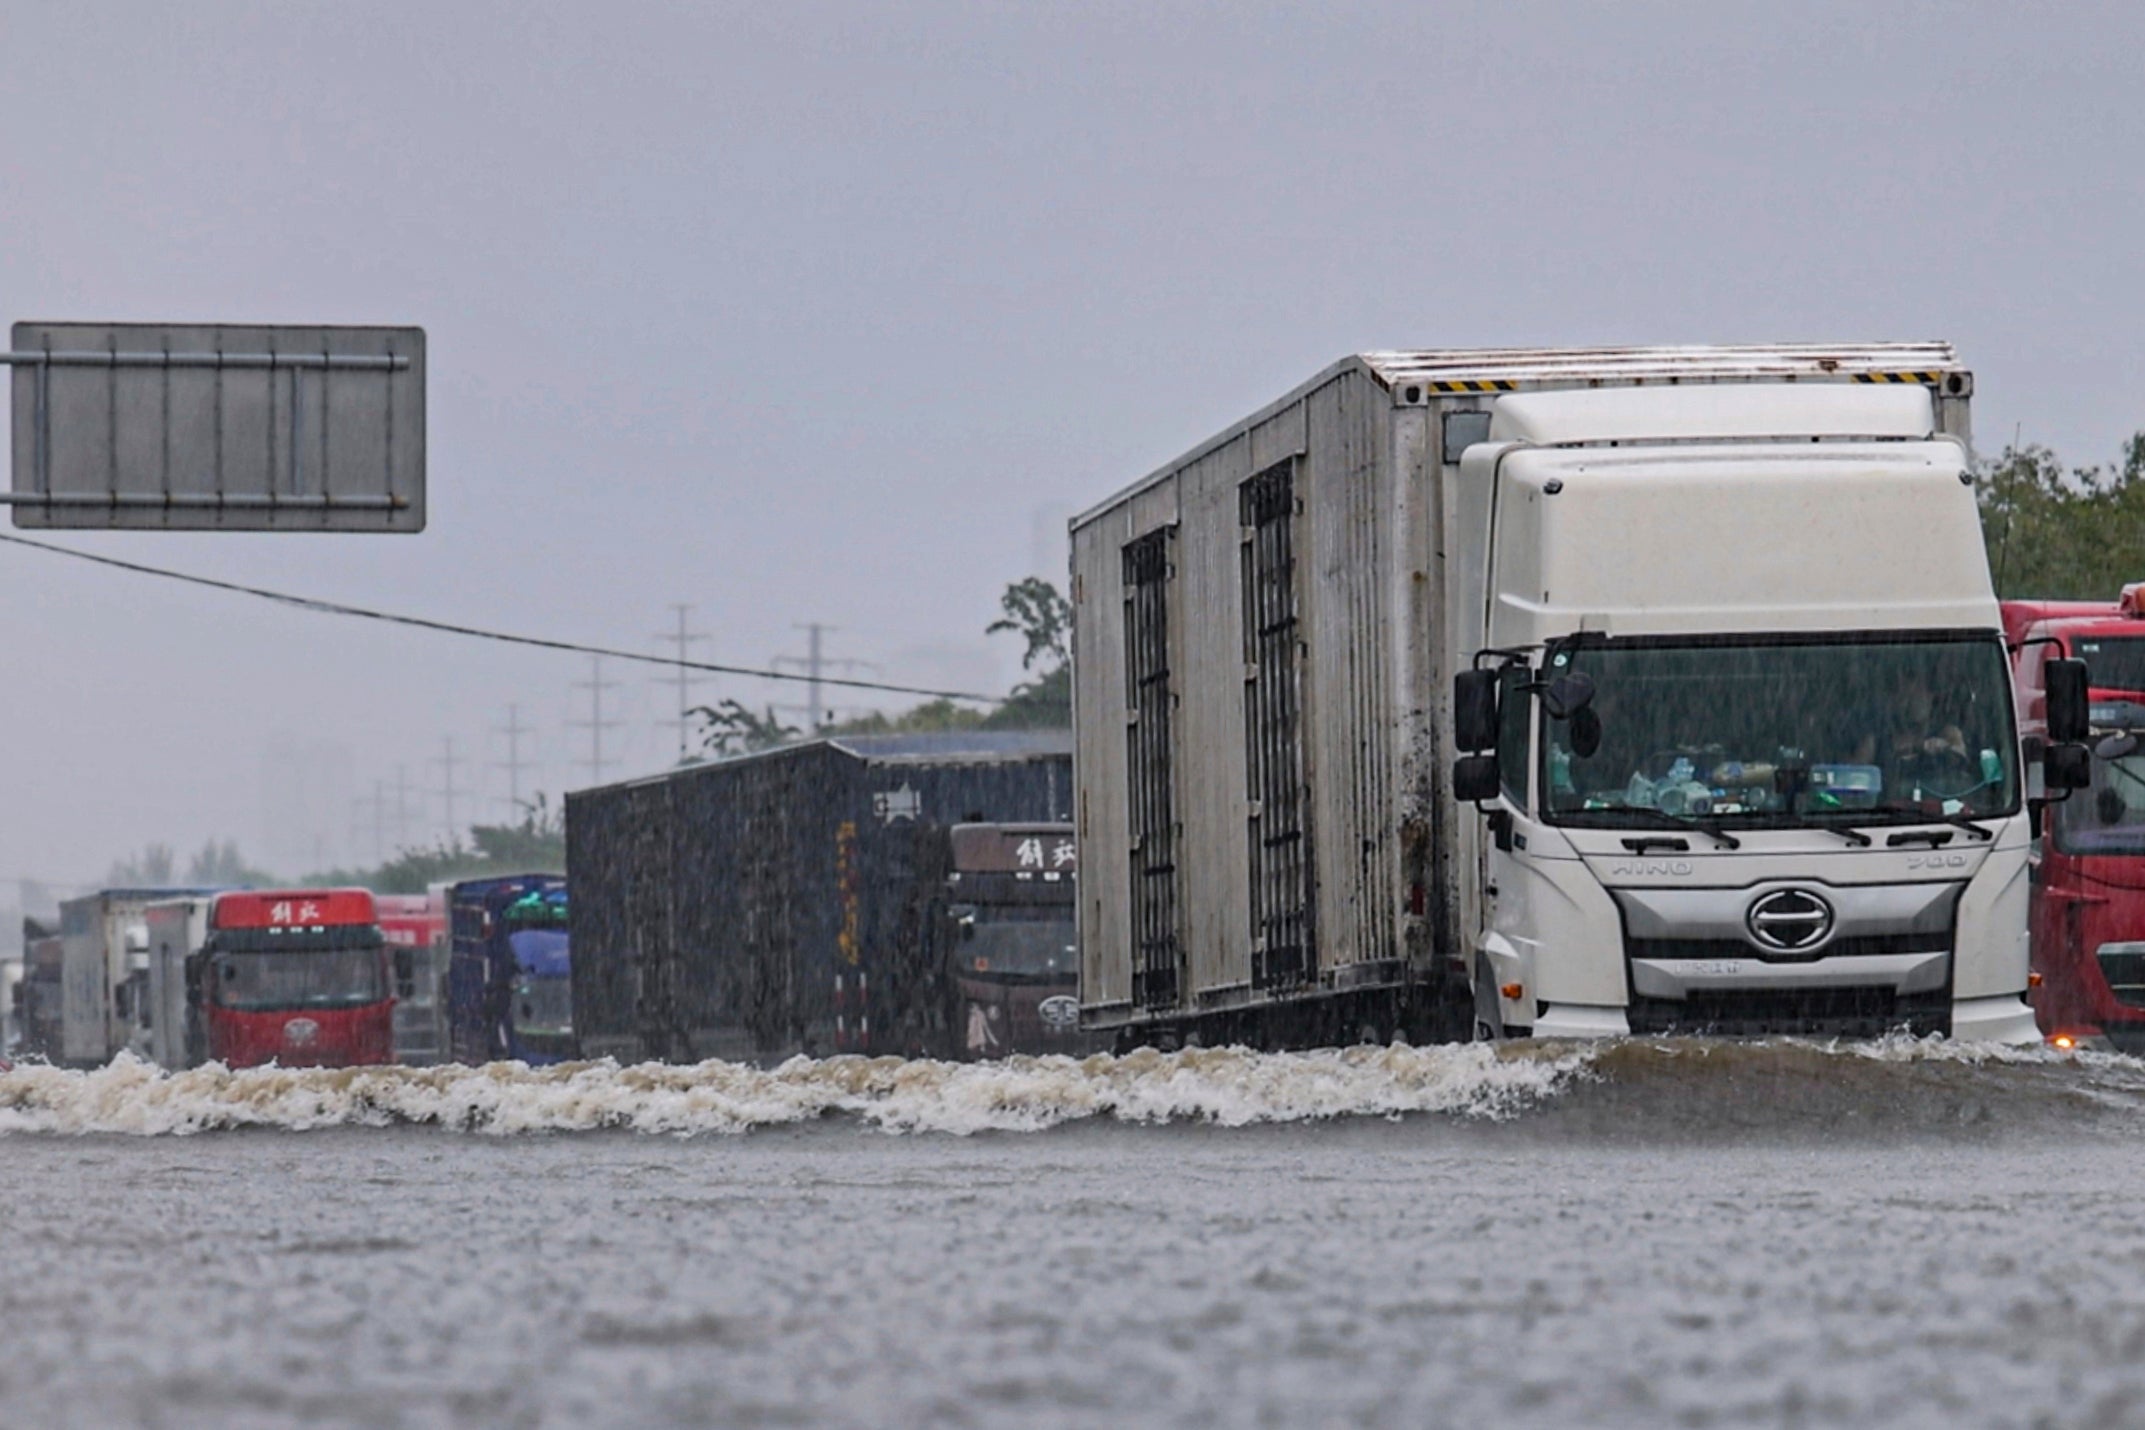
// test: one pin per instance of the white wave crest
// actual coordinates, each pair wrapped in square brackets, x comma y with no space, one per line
[1230,1087]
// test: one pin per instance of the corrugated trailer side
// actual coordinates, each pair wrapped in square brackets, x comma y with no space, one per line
[618,843]
[1256,842]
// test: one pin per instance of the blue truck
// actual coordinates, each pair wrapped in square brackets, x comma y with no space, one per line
[509,973]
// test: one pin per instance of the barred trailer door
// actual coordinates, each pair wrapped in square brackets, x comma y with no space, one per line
[1283,949]
[1157,952]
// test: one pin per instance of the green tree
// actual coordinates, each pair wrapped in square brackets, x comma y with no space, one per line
[155,867]
[729,729]
[934,715]
[1035,611]
[536,845]
[1039,615]
[2063,533]
[221,866]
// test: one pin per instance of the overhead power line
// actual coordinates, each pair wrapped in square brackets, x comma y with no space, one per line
[423,623]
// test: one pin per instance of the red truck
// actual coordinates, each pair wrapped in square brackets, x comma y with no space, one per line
[298,977]
[2088,870]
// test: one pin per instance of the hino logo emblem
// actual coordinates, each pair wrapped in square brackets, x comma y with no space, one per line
[1789,920]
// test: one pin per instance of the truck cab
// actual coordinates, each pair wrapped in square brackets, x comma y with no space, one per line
[1749,758]
[297,977]
[2088,920]
[1012,957]
[510,974]
[415,929]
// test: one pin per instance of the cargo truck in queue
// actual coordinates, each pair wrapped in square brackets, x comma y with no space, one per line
[1008,934]
[414,927]
[104,973]
[510,970]
[297,977]
[800,900]
[170,1017]
[2089,859]
[1564,693]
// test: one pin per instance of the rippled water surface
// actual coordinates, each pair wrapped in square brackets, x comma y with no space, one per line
[1656,1234]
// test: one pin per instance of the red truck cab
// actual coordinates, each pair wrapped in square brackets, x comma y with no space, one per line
[297,977]
[2088,910]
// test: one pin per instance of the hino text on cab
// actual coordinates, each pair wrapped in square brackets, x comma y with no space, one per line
[1563,693]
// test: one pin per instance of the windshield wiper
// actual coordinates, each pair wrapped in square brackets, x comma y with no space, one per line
[1710,826]
[1647,843]
[1659,819]
[1916,812]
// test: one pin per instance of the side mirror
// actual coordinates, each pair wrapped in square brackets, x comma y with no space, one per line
[2068,766]
[1474,778]
[2069,715]
[2118,746]
[1567,695]
[1474,710]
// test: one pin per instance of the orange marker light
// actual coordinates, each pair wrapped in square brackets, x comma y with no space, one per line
[1513,990]
[2033,980]
[2064,1041]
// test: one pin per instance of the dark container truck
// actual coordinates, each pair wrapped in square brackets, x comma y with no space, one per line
[1700,603]
[798,900]
[509,975]
[1008,919]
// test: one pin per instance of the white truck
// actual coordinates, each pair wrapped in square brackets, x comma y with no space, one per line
[1563,693]
[104,974]
[169,1031]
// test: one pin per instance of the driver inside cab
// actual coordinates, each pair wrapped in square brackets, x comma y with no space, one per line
[1915,747]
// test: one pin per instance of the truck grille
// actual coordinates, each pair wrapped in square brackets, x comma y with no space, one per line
[1815,1012]
[1861,946]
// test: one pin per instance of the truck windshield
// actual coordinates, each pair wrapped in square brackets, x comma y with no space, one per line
[543,1003]
[329,978]
[1843,731]
[1029,947]
[2112,662]
[2109,816]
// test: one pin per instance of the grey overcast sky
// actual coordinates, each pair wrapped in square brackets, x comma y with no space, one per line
[806,312]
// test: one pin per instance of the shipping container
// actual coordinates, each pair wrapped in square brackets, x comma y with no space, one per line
[789,901]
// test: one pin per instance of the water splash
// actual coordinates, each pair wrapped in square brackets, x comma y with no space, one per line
[1230,1087]
[1634,1087]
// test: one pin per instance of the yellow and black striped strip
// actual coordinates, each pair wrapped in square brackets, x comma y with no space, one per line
[1925,379]
[1489,384]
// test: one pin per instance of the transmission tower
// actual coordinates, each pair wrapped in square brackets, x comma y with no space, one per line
[447,762]
[371,811]
[402,806]
[816,665]
[513,764]
[596,724]
[684,681]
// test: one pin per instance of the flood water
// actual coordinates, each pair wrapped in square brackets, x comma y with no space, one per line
[1671,1234]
